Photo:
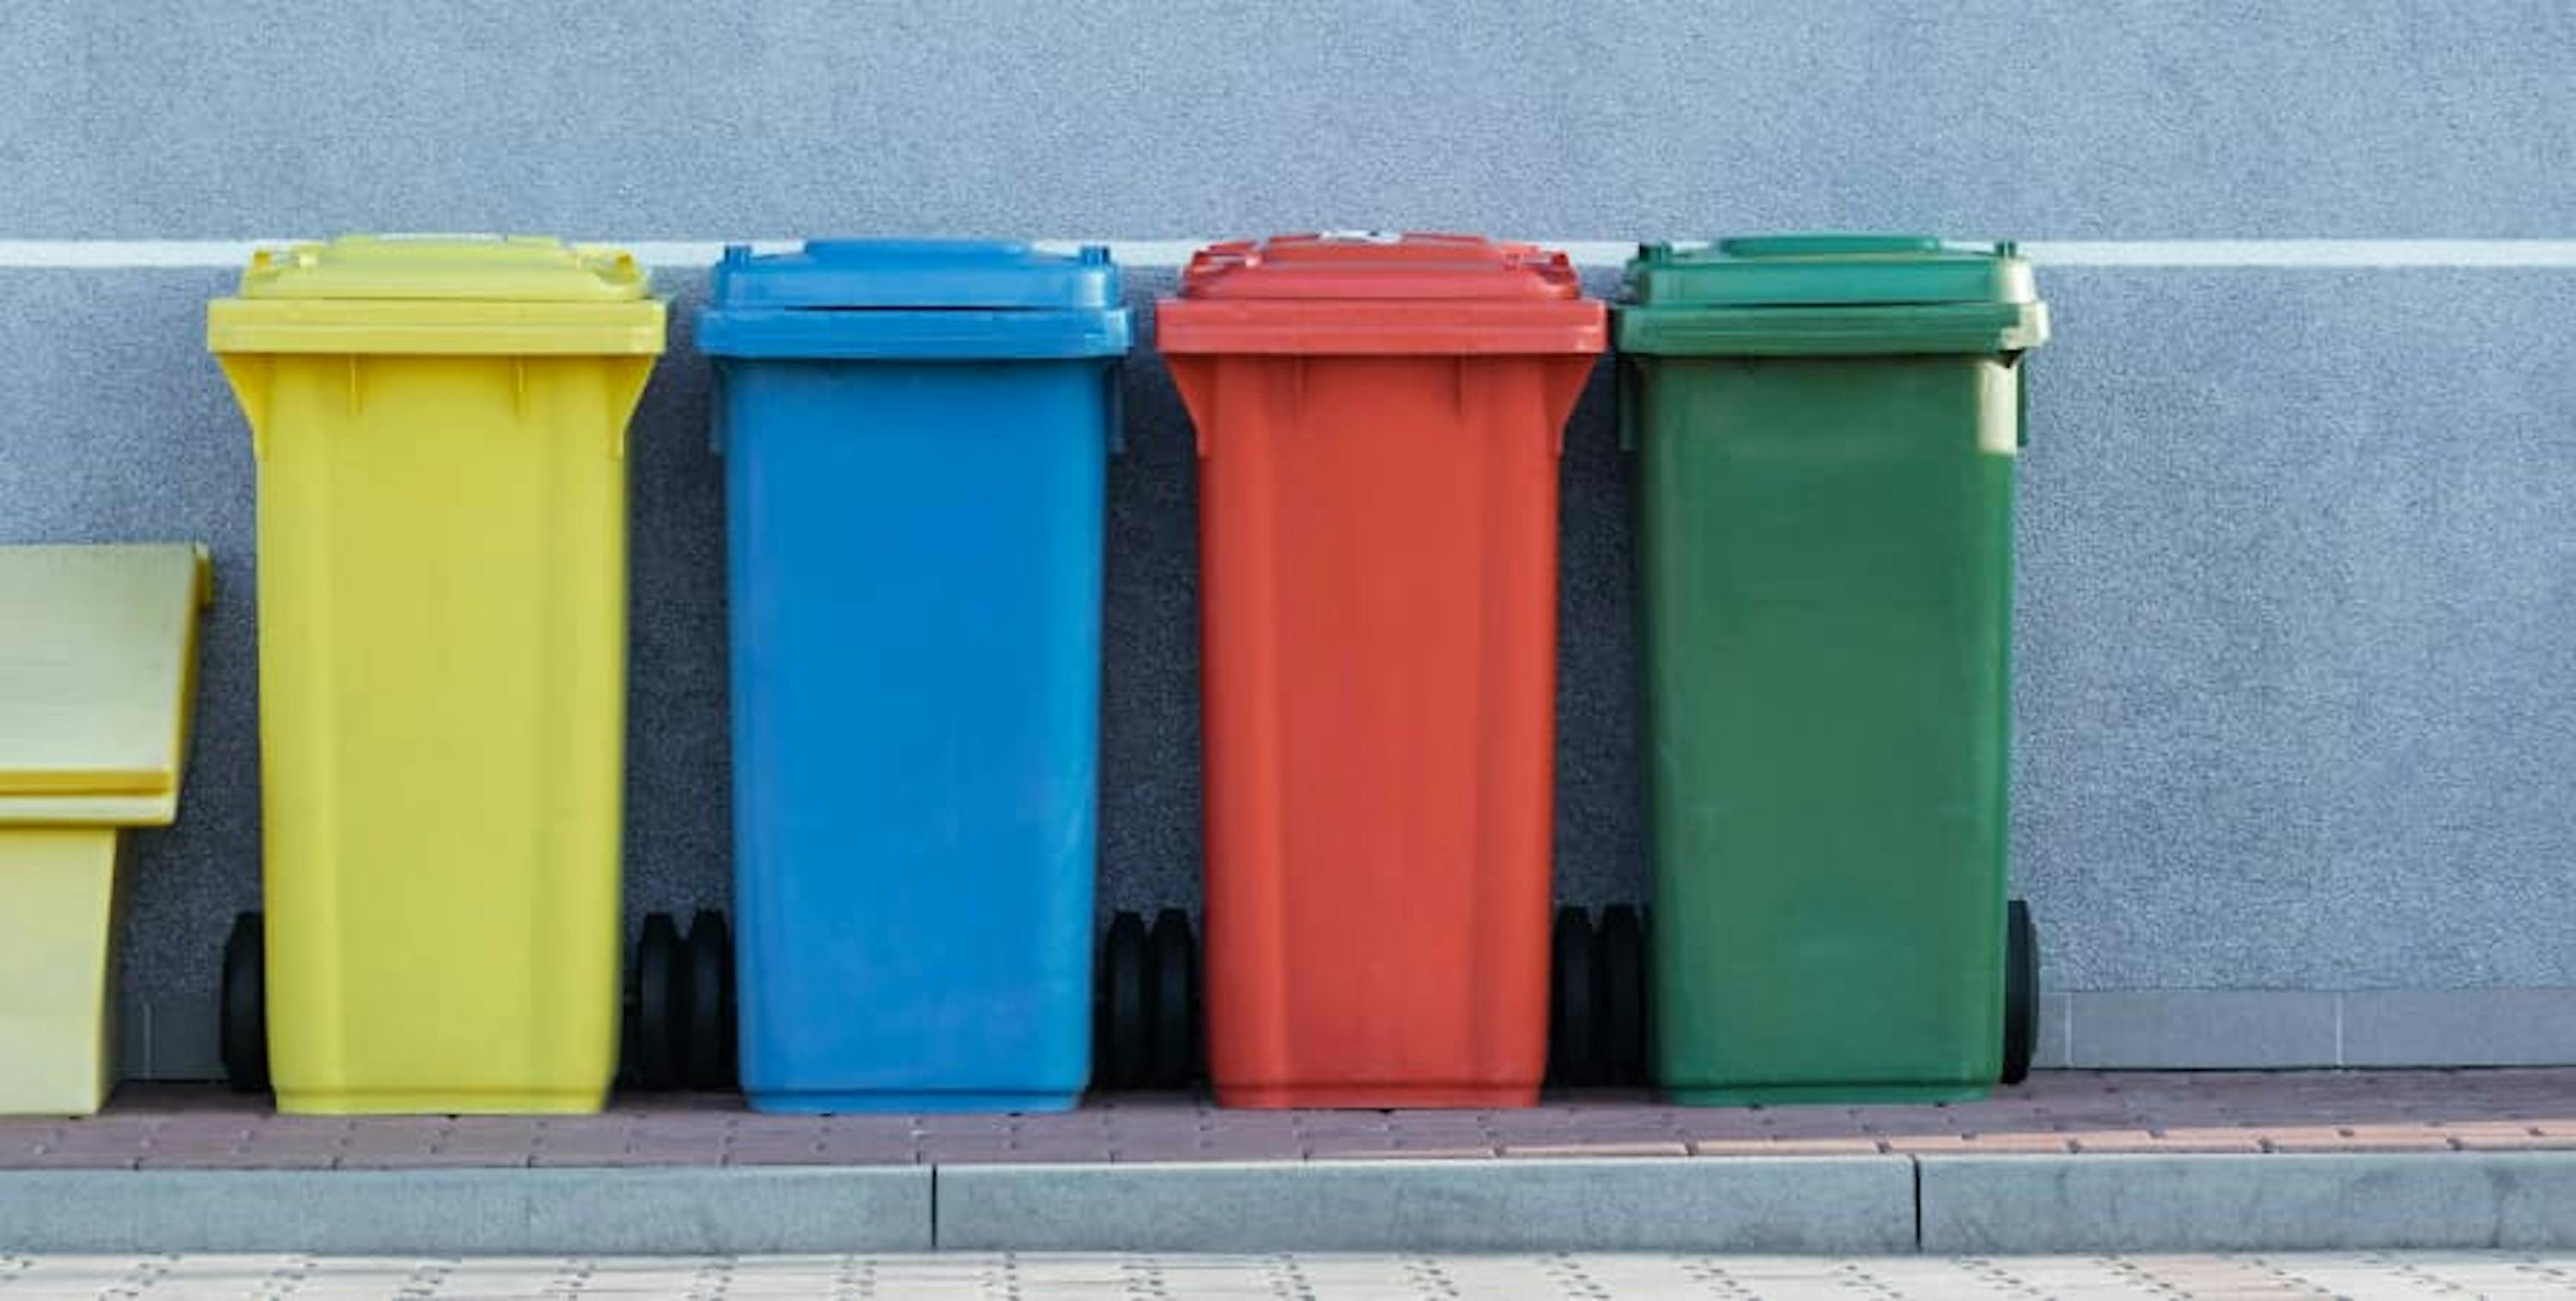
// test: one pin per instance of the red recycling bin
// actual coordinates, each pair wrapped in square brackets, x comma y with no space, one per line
[1379,420]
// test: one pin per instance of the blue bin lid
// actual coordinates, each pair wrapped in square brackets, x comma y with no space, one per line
[917,299]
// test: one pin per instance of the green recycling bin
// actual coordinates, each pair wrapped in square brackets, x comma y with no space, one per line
[1826,430]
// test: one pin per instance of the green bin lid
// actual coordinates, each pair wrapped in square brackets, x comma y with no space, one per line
[1790,295]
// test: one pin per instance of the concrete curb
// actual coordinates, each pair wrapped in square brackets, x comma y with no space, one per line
[1972,1205]
[1949,1205]
[1839,1205]
[498,1211]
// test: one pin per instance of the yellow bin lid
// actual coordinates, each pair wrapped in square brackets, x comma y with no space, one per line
[98,649]
[515,295]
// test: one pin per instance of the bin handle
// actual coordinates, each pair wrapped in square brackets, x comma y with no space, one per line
[1623,403]
[2021,401]
[1116,405]
[716,405]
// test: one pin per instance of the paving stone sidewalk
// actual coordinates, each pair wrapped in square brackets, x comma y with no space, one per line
[2057,1113]
[1376,1277]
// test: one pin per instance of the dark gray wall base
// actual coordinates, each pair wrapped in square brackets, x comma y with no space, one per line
[2214,1029]
[2153,1029]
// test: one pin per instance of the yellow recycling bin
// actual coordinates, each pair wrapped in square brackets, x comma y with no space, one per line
[440,428]
[98,666]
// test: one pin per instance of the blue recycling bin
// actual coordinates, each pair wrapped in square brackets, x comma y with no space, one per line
[914,436]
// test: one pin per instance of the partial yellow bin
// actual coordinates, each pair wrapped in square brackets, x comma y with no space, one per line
[98,669]
[440,427]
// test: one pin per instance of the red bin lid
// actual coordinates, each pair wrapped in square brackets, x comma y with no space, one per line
[1375,294]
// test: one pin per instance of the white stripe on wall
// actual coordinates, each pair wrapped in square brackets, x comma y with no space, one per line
[2281,254]
[2307,253]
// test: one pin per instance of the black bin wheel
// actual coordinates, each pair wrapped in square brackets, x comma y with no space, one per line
[2021,990]
[1572,1049]
[710,1023]
[242,1013]
[1126,1008]
[1619,1005]
[657,1029]
[1173,958]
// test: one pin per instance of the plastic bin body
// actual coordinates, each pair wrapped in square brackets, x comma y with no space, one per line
[1379,424]
[915,437]
[98,655]
[1826,432]
[440,431]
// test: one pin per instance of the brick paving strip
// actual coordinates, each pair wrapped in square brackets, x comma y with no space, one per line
[2056,1114]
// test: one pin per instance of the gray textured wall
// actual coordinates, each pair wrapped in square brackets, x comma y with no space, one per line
[663,118]
[2299,586]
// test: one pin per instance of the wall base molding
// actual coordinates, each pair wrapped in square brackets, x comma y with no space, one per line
[2256,1029]
[2101,1029]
